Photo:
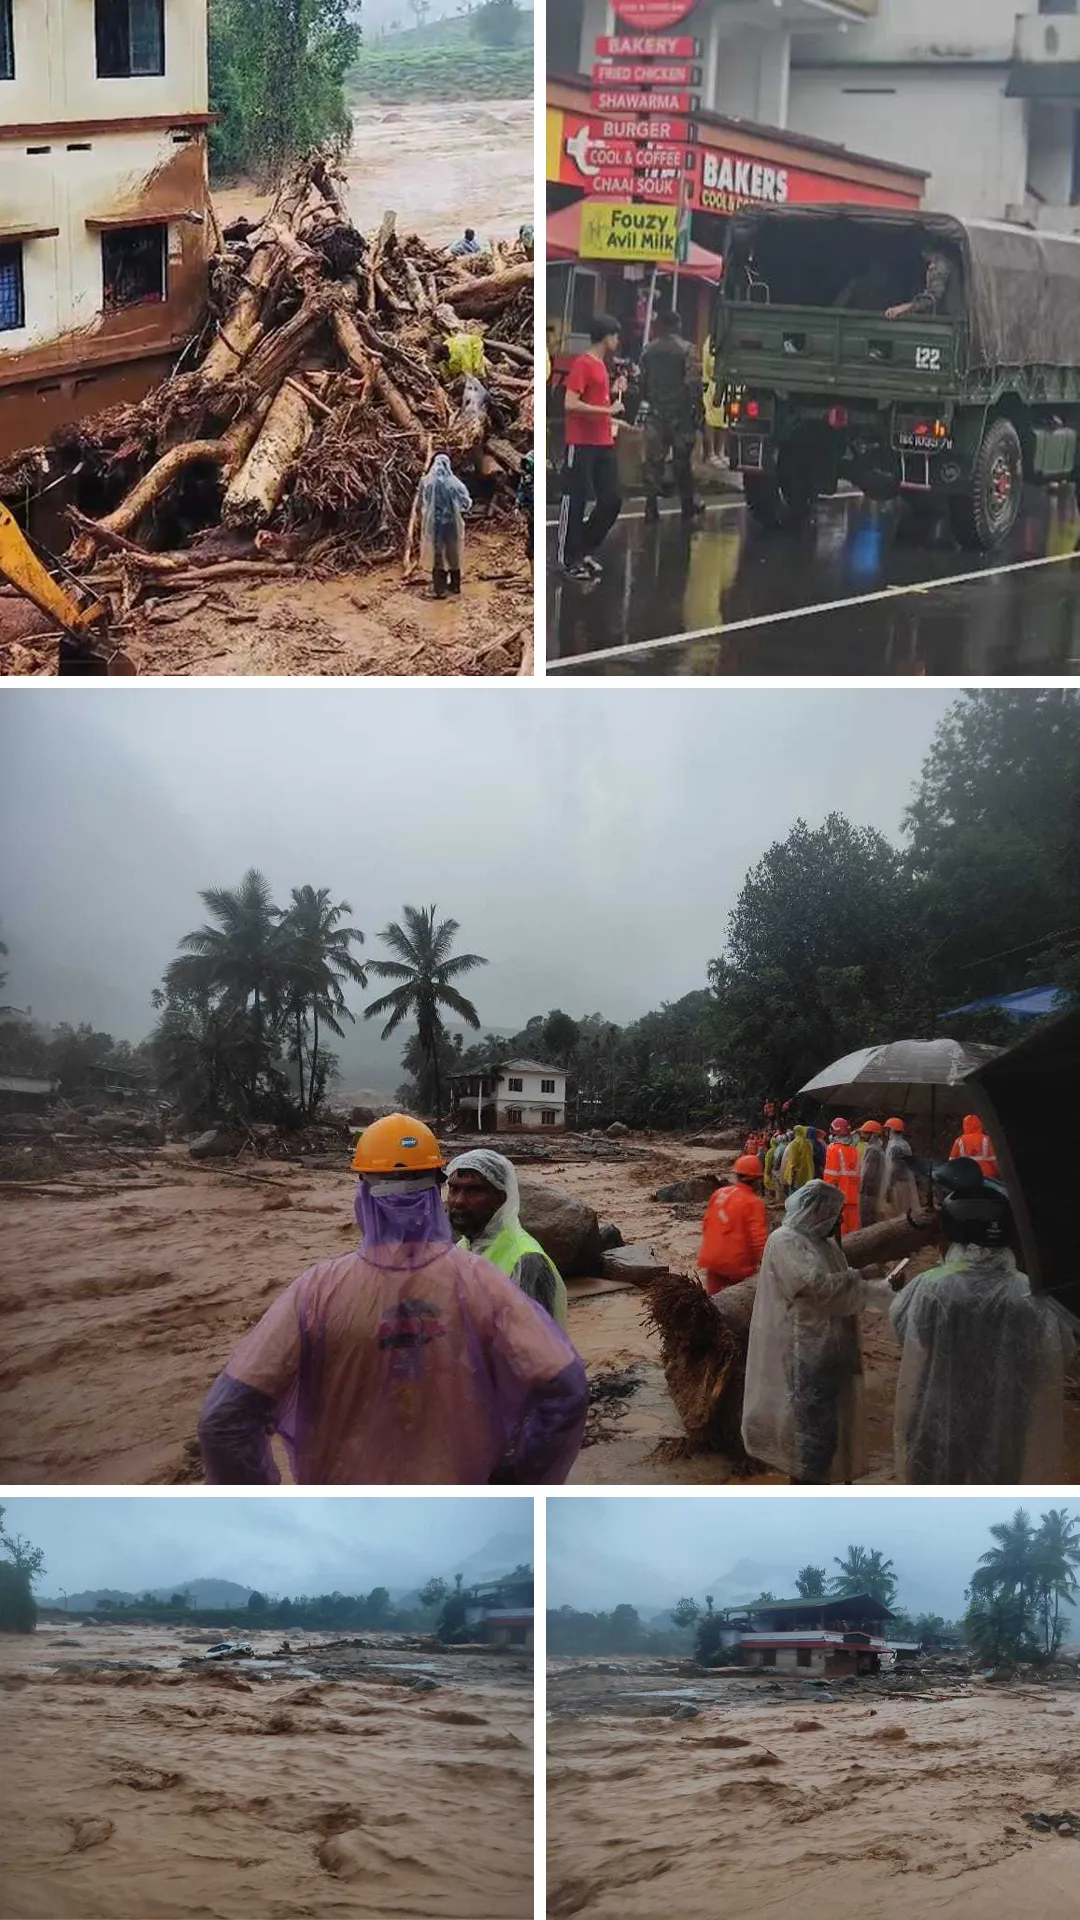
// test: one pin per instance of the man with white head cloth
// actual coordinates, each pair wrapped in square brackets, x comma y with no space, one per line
[483,1201]
[803,1400]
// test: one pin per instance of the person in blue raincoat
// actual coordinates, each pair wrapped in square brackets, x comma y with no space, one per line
[444,500]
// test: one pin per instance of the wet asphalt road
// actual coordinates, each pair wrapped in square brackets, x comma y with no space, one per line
[729,598]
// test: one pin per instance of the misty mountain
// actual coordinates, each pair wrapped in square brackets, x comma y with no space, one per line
[501,1554]
[200,1593]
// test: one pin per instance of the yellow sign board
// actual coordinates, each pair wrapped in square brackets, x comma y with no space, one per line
[613,231]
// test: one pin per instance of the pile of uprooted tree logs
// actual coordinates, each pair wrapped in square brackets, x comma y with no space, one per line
[311,403]
[703,1341]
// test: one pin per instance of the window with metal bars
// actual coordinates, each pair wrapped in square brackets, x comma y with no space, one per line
[12,298]
[133,266]
[7,42]
[130,37]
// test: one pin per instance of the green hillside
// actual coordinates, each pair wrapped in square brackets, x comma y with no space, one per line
[444,60]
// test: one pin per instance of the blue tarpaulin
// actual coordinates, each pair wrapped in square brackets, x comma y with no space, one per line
[1032,1004]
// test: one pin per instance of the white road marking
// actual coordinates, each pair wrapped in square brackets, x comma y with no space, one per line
[720,631]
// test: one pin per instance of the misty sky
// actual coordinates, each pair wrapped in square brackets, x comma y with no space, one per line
[283,1544]
[604,1551]
[590,842]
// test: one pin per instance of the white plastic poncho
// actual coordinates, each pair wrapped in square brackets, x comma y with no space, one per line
[500,1173]
[901,1192]
[443,501]
[803,1399]
[980,1397]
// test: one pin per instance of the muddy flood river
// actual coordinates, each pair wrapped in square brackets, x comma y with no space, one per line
[441,165]
[337,1783]
[781,1799]
[140,1287]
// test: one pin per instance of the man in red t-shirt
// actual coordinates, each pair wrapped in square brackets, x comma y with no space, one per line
[589,470]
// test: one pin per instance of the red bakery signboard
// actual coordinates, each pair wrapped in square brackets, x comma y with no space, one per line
[719,180]
[653,16]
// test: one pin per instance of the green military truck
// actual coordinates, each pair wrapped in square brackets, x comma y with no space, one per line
[957,407]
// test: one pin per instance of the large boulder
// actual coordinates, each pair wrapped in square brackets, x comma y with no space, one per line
[618,1130]
[639,1265]
[566,1228]
[217,1143]
[699,1188]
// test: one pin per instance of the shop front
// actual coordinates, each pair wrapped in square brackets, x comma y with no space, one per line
[627,256]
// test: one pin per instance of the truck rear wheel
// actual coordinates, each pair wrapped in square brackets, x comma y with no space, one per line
[986,515]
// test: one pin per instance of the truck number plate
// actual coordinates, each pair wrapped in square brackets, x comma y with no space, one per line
[928,359]
[923,443]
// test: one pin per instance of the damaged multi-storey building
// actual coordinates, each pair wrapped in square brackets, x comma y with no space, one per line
[105,218]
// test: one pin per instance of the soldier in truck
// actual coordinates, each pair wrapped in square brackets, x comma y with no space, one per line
[931,298]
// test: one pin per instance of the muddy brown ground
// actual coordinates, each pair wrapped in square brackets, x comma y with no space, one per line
[242,1794]
[784,1801]
[120,1300]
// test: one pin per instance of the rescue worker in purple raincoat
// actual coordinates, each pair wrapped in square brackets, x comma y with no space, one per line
[409,1361]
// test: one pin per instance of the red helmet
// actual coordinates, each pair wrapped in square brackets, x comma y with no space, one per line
[871,1126]
[841,1125]
[748,1166]
[895,1126]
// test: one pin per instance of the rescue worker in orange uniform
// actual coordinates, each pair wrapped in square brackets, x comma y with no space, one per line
[735,1228]
[842,1170]
[975,1144]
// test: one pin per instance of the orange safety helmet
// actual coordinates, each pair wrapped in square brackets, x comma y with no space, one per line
[397,1144]
[748,1166]
[840,1125]
[895,1126]
[871,1126]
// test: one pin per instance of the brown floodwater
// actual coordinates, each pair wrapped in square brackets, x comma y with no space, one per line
[905,1808]
[441,165]
[139,1790]
[141,1289]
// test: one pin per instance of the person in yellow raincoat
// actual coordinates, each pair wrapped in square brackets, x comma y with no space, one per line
[715,412]
[797,1165]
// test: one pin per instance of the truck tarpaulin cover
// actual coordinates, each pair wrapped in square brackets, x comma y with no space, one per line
[1022,289]
[1020,1094]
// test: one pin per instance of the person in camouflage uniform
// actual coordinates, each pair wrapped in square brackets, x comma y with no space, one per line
[932,297]
[671,395]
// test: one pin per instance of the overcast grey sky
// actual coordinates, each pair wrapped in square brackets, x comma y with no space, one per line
[283,1544]
[649,1552]
[590,842]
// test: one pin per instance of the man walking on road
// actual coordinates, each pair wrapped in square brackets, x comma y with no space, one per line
[590,468]
[671,393]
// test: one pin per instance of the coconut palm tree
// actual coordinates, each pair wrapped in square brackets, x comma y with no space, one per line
[239,965]
[1009,1567]
[1056,1555]
[810,1583]
[425,967]
[865,1571]
[319,960]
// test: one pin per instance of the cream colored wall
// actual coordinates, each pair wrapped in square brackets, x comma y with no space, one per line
[55,82]
[56,67]
[62,277]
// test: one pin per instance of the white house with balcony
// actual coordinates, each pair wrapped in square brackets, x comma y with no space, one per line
[521,1096]
[985,94]
[105,218]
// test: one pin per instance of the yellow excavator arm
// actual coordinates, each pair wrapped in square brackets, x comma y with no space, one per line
[86,625]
